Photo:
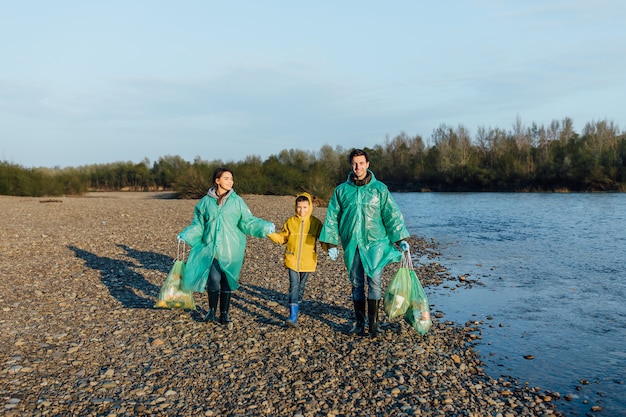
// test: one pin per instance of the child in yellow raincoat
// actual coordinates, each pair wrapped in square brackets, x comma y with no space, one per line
[300,233]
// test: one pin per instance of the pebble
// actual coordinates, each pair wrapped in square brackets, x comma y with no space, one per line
[80,335]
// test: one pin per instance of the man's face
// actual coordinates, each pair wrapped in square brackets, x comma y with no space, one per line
[360,166]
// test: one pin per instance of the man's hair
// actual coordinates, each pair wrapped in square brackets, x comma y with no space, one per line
[219,171]
[358,152]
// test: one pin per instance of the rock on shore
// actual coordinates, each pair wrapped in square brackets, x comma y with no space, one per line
[79,334]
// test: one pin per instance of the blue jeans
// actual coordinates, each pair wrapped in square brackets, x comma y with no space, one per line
[217,278]
[357,278]
[297,284]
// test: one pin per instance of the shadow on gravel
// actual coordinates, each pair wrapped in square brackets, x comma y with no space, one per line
[121,280]
[258,297]
[150,260]
[166,196]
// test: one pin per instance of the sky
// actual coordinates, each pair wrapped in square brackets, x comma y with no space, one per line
[96,82]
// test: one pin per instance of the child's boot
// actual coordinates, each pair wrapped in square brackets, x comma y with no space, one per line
[293,315]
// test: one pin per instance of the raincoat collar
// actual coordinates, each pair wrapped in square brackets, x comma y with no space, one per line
[368,178]
[213,193]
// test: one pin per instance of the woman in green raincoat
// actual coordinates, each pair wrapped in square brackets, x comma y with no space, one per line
[217,236]
[365,219]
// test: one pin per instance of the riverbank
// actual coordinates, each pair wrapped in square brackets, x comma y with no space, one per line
[79,335]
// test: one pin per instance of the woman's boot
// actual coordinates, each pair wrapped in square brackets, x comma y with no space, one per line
[213,296]
[224,306]
[372,313]
[359,312]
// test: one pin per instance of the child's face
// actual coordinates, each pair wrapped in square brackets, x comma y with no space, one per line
[302,208]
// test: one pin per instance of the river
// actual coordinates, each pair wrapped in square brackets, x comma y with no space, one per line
[552,275]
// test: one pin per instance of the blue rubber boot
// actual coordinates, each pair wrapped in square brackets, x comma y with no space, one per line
[293,315]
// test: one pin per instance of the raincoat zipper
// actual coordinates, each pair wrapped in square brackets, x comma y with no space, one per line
[300,242]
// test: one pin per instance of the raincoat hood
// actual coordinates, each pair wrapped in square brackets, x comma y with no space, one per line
[295,205]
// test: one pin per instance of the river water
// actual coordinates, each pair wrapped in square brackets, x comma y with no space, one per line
[552,269]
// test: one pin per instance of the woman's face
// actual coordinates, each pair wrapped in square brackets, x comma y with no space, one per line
[225,182]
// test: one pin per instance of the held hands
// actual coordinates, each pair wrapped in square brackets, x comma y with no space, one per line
[271,228]
[332,253]
[404,246]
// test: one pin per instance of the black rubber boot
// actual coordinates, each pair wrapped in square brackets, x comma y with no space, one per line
[372,315]
[224,306]
[359,312]
[213,297]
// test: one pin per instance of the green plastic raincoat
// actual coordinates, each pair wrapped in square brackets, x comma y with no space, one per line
[366,217]
[219,232]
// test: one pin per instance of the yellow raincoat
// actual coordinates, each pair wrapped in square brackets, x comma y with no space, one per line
[300,234]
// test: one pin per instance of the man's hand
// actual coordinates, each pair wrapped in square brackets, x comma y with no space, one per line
[404,246]
[332,253]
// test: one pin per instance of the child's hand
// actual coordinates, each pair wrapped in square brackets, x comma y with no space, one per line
[332,253]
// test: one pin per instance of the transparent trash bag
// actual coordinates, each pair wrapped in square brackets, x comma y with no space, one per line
[418,313]
[172,293]
[398,294]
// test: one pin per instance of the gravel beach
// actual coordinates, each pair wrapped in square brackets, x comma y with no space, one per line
[80,335]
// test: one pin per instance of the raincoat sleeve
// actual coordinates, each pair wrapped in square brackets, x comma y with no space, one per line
[330,230]
[192,234]
[280,237]
[316,224]
[393,220]
[251,225]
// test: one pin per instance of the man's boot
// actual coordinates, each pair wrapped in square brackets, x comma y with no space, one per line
[293,315]
[224,306]
[359,312]
[372,314]
[213,296]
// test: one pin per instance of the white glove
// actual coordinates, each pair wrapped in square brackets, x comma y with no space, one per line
[332,253]
[404,246]
[271,229]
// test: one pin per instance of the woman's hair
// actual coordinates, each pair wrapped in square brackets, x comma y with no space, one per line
[219,172]
[357,152]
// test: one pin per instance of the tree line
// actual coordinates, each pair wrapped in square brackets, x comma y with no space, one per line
[522,159]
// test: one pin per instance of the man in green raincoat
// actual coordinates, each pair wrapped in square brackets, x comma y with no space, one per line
[365,219]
